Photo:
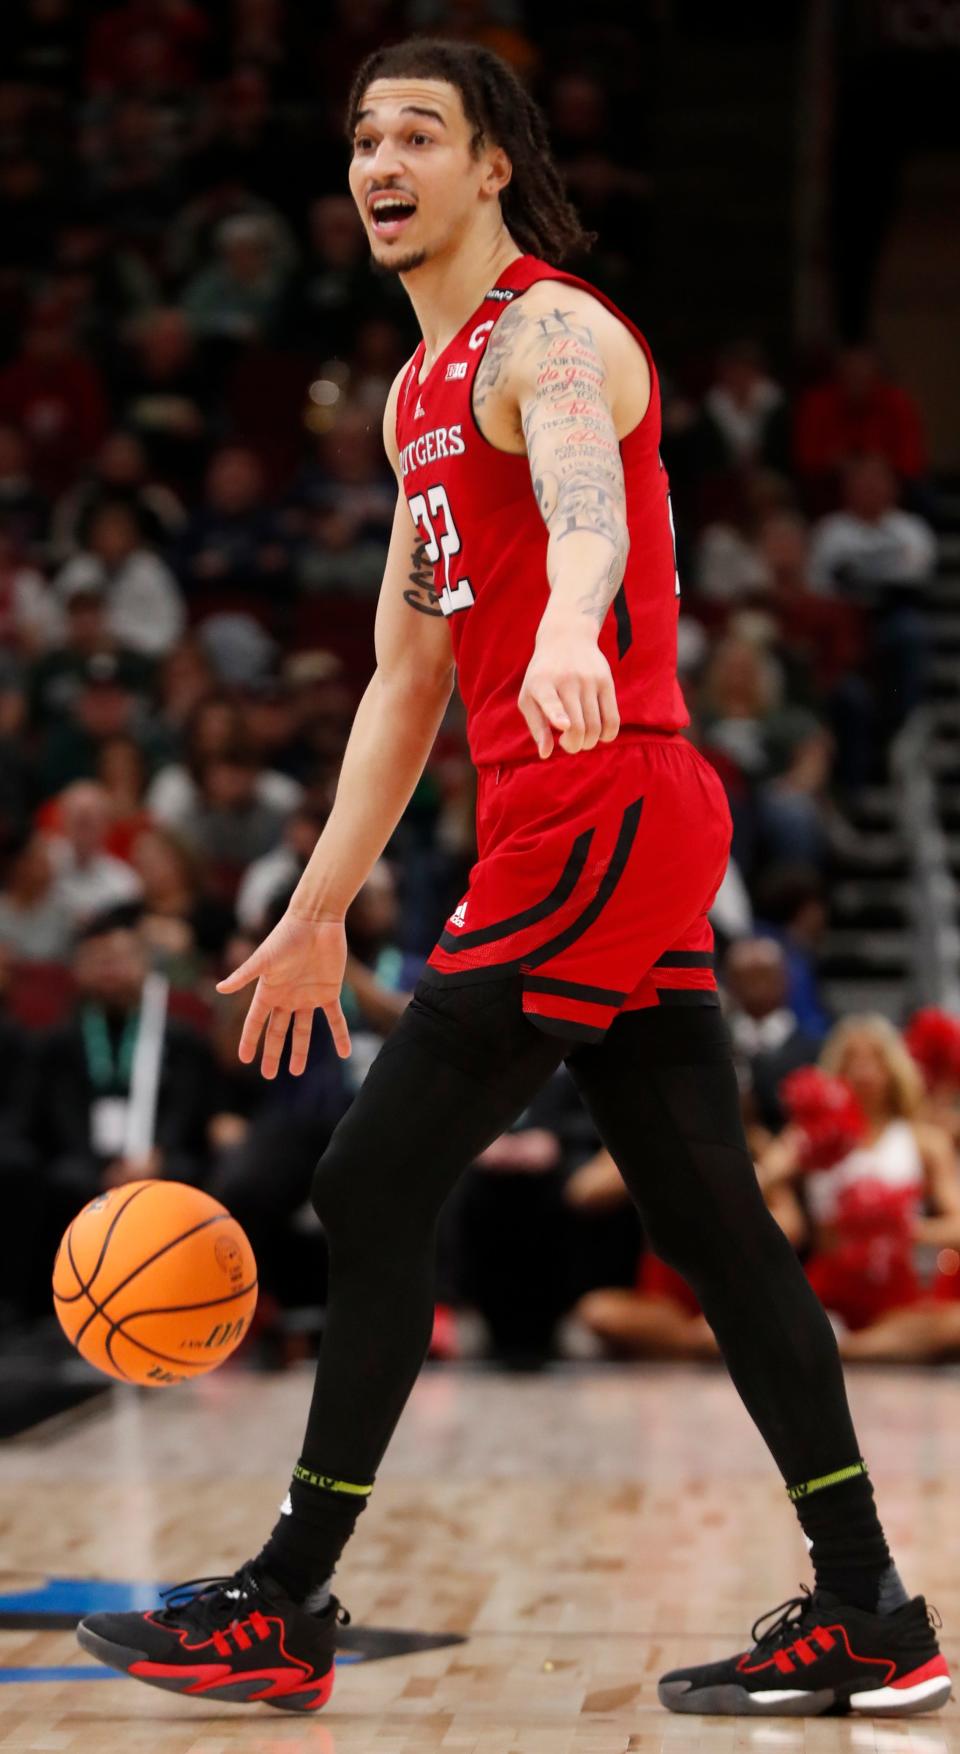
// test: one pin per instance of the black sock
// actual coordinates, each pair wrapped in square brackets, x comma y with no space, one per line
[315,1524]
[848,1548]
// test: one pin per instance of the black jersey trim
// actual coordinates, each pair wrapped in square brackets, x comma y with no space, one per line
[564,1026]
[544,983]
[686,959]
[688,996]
[621,610]
[454,942]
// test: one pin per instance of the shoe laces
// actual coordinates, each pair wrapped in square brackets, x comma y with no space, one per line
[208,1603]
[789,1622]
[212,1603]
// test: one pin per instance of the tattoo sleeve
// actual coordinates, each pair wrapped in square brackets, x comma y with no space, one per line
[571,445]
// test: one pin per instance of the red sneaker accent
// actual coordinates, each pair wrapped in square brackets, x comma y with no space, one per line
[204,1674]
[936,1666]
[311,1696]
[210,1676]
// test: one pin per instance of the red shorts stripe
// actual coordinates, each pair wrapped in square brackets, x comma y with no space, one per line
[593,881]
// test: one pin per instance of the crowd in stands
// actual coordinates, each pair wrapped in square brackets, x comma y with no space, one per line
[194,512]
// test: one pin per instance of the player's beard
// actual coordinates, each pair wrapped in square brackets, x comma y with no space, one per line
[403,264]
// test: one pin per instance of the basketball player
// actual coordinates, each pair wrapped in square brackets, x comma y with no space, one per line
[532,548]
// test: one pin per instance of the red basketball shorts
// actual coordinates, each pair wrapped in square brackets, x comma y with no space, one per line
[593,880]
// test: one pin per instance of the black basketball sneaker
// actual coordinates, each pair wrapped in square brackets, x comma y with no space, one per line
[819,1655]
[237,1639]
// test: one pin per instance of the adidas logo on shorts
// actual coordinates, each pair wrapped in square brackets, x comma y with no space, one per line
[459,915]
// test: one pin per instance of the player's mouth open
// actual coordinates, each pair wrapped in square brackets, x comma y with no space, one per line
[389,214]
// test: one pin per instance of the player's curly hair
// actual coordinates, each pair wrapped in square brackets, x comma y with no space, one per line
[501,111]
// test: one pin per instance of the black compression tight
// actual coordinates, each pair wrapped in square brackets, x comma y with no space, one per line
[458,1068]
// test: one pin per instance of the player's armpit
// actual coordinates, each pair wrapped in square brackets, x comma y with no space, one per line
[546,354]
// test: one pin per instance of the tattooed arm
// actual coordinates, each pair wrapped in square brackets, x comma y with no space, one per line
[549,362]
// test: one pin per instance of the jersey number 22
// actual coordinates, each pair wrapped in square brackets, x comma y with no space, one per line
[424,509]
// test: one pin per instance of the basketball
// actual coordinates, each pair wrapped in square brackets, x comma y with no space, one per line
[154,1283]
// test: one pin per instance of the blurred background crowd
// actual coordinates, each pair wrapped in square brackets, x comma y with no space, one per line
[194,512]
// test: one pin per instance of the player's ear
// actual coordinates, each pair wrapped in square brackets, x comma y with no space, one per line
[498,171]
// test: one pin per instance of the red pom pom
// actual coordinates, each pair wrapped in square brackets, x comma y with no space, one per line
[933,1038]
[826,1114]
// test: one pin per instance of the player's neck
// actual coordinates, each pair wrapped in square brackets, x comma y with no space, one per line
[448,288]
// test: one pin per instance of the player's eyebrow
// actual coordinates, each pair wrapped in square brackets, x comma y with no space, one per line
[407,110]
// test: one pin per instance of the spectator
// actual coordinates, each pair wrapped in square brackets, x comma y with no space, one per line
[322,706]
[779,754]
[278,871]
[856,412]
[348,506]
[122,772]
[791,906]
[821,643]
[24,512]
[45,50]
[380,977]
[235,542]
[239,297]
[826,635]
[871,545]
[176,30]
[145,611]
[743,418]
[186,679]
[29,618]
[119,475]
[88,648]
[333,291]
[874,554]
[88,878]
[215,725]
[56,397]
[101,707]
[230,823]
[182,925]
[768,1039]
[104,284]
[35,923]
[162,389]
[897,1188]
[609,190]
[88,1061]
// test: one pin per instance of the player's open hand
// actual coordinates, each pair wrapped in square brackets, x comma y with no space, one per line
[298,970]
[568,691]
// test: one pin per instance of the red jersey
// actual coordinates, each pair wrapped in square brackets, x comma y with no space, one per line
[475,509]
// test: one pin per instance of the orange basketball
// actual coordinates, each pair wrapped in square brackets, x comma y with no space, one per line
[154,1282]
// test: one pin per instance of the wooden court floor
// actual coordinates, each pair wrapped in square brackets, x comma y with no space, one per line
[585,1529]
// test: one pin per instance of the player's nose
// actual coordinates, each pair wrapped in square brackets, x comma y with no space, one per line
[385,164]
